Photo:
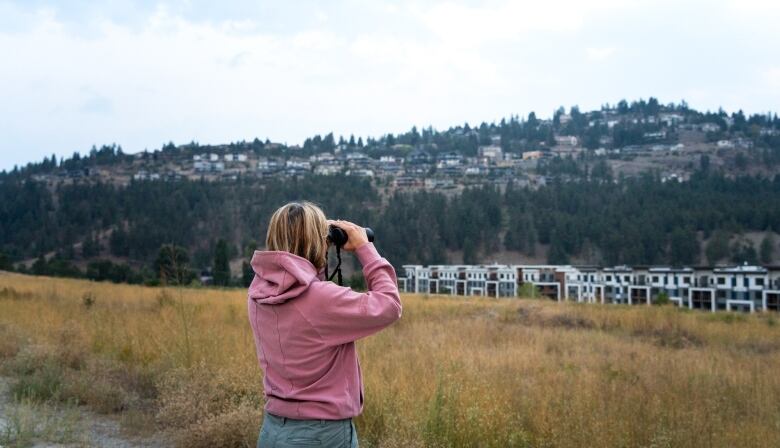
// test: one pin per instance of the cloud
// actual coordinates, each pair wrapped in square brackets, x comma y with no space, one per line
[599,54]
[95,103]
[466,25]
[772,78]
[291,71]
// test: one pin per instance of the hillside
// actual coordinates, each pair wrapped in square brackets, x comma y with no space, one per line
[639,183]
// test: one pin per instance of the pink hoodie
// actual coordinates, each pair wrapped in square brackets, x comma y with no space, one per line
[305,330]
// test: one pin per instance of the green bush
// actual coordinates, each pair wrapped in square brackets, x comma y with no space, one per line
[662,299]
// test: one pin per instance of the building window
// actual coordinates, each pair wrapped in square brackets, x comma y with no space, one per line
[721,281]
[759,282]
[655,279]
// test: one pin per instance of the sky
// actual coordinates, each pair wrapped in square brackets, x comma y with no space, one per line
[141,73]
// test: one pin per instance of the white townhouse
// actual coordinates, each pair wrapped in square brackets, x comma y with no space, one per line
[771,295]
[736,288]
[585,284]
[675,283]
[616,284]
[740,287]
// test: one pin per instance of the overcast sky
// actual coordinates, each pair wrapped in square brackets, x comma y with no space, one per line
[74,74]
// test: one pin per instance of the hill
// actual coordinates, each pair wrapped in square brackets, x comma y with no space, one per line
[638,183]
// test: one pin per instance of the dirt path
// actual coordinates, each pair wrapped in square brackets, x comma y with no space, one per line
[42,427]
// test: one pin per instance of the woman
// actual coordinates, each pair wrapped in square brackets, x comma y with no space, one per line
[305,328]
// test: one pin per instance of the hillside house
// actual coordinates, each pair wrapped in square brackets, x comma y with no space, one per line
[566,140]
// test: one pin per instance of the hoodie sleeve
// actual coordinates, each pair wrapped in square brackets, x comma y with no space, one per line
[344,315]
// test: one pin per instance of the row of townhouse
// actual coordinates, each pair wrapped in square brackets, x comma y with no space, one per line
[737,288]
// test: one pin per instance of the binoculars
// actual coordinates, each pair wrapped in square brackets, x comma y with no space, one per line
[339,237]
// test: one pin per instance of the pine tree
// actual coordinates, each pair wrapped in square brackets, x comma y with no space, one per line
[531,238]
[5,263]
[767,248]
[221,264]
[717,247]
[247,274]
[469,252]
[172,265]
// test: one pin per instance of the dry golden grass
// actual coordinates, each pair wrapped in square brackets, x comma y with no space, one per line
[451,372]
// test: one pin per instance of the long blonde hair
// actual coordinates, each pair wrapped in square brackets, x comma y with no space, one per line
[301,229]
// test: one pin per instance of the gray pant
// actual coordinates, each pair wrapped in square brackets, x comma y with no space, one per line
[283,432]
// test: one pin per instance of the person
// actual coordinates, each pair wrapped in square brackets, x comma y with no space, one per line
[305,328]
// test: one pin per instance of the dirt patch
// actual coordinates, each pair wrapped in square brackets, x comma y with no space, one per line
[675,337]
[87,428]
[537,316]
[13,294]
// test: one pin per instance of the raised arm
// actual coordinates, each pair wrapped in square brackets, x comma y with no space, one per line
[344,315]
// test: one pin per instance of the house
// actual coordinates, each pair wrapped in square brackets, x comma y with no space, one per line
[740,287]
[206,278]
[327,170]
[710,127]
[439,183]
[268,166]
[356,156]
[298,163]
[566,140]
[771,295]
[658,135]
[563,151]
[670,119]
[490,152]
[449,159]
[418,156]
[202,166]
[743,143]
[725,144]
[532,155]
[360,172]
[671,177]
[406,181]
[737,288]
[321,157]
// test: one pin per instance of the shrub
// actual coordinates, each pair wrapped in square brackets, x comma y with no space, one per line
[42,382]
[164,298]
[662,299]
[88,299]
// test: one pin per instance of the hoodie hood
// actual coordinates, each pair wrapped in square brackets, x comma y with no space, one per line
[280,276]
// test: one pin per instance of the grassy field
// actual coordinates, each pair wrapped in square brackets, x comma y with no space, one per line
[451,372]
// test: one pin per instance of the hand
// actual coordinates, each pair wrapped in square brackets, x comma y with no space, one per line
[356,235]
